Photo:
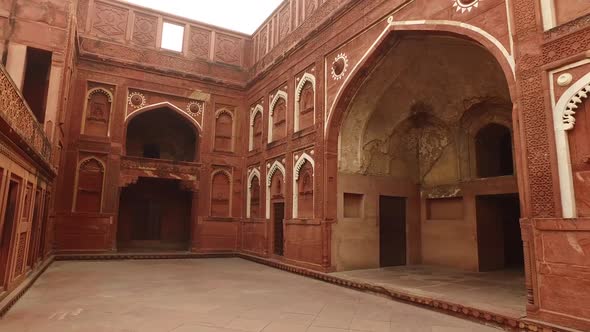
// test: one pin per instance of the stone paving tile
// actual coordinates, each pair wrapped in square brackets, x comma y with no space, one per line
[499,291]
[208,295]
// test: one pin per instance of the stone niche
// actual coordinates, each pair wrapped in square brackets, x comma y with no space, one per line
[303,186]
[224,129]
[221,193]
[98,109]
[304,102]
[255,138]
[278,117]
[89,185]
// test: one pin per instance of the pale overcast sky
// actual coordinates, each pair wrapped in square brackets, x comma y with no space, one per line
[239,15]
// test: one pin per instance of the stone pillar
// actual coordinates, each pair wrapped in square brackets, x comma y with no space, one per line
[16,62]
[53,98]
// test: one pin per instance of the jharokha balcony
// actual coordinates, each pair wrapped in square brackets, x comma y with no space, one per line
[19,123]
[132,168]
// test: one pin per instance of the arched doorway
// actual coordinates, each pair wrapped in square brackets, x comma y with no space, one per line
[155,210]
[423,136]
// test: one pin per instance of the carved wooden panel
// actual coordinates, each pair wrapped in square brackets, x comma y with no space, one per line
[224,132]
[20,254]
[227,49]
[257,131]
[199,42]
[220,194]
[580,158]
[145,29]
[305,191]
[109,21]
[98,112]
[279,120]
[306,109]
[89,186]
[255,198]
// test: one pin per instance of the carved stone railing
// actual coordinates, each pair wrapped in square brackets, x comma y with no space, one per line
[17,114]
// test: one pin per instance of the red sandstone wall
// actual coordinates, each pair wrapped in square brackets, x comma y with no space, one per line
[279,53]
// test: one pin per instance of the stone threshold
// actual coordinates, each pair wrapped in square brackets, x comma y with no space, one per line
[484,317]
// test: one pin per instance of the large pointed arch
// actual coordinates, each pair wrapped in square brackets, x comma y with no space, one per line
[564,120]
[168,105]
[336,111]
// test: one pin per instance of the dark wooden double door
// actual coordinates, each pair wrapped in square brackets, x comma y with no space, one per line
[392,231]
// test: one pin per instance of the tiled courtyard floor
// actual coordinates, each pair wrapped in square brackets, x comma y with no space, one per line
[500,292]
[207,295]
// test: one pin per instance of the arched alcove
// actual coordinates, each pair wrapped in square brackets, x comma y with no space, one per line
[493,151]
[162,133]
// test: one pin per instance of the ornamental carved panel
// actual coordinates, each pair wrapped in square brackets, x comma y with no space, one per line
[263,42]
[98,111]
[200,42]
[227,49]
[110,21]
[82,14]
[310,6]
[284,22]
[145,29]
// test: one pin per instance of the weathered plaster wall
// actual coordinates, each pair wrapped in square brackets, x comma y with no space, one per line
[409,123]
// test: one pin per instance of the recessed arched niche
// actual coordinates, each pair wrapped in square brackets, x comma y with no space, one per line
[221,193]
[89,185]
[278,117]
[493,151]
[303,189]
[162,133]
[224,128]
[305,103]
[253,195]
[255,138]
[98,109]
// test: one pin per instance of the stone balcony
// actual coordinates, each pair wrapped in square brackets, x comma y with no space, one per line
[18,122]
[132,168]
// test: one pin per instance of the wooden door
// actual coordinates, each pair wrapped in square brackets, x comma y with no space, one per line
[7,230]
[392,231]
[278,221]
